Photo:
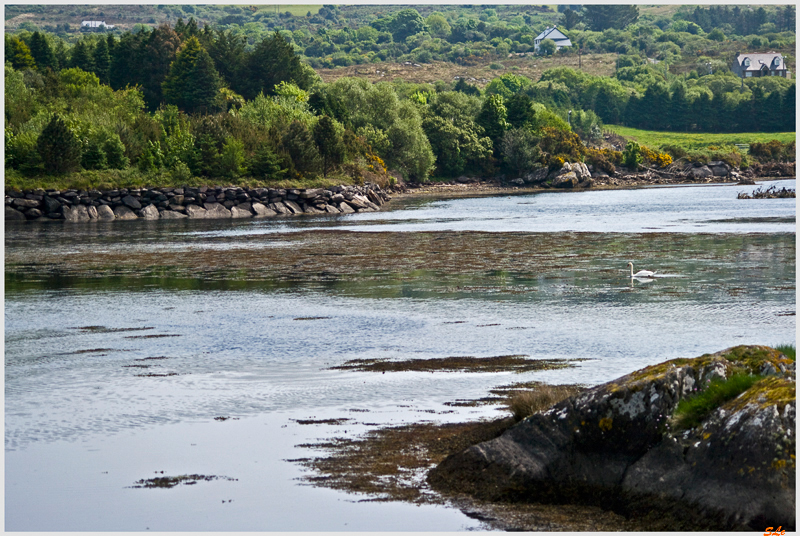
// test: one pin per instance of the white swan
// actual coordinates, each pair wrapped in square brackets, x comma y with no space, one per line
[641,273]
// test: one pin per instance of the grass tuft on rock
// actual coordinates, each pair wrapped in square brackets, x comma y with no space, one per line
[788,350]
[526,403]
[691,411]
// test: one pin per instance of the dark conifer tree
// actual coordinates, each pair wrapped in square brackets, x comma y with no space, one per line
[102,61]
[59,147]
[271,62]
[329,143]
[42,52]
[192,83]
[81,56]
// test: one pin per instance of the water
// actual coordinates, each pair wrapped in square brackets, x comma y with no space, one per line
[246,319]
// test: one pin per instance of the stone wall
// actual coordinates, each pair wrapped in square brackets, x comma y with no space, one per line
[189,202]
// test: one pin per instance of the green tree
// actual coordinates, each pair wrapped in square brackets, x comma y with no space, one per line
[328,137]
[228,53]
[519,110]
[547,47]
[299,145]
[570,18]
[192,83]
[154,59]
[492,118]
[604,16]
[102,61]
[266,164]
[632,156]
[273,61]
[42,52]
[438,25]
[521,152]
[232,158]
[81,56]
[59,147]
[405,23]
[18,53]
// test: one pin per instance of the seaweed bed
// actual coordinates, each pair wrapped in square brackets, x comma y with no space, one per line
[502,363]
[391,463]
[172,481]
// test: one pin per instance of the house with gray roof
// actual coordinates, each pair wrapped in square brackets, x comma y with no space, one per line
[754,65]
[554,34]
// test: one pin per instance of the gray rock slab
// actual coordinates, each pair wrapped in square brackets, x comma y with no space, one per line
[172,215]
[76,214]
[104,213]
[345,208]
[262,211]
[195,212]
[92,211]
[150,212]
[294,207]
[123,212]
[216,211]
[131,202]
[13,214]
[238,212]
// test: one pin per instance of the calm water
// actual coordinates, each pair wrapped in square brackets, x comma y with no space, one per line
[246,318]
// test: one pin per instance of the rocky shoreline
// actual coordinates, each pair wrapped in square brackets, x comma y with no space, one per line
[217,202]
[628,446]
[188,202]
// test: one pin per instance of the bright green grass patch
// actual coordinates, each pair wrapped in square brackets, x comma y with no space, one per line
[296,10]
[788,350]
[691,411]
[698,140]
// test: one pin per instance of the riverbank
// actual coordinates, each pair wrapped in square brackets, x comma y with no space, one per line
[506,474]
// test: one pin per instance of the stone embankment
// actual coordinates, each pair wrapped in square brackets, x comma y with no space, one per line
[189,202]
[579,175]
[621,446]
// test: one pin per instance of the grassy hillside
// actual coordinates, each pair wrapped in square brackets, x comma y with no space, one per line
[697,140]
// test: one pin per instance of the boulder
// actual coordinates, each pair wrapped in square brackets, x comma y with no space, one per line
[104,213]
[519,182]
[13,214]
[33,214]
[374,197]
[92,211]
[51,205]
[280,208]
[262,211]
[702,172]
[240,211]
[345,208]
[330,209]
[566,180]
[294,207]
[172,215]
[76,214]
[131,202]
[122,212]
[535,177]
[621,446]
[25,203]
[216,211]
[150,212]
[311,193]
[196,212]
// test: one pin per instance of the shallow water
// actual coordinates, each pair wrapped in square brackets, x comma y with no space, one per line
[246,319]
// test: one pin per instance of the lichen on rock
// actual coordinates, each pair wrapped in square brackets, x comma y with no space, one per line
[613,446]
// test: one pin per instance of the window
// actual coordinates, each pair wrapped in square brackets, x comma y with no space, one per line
[748,74]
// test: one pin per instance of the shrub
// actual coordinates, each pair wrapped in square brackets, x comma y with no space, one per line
[632,155]
[773,150]
[604,159]
[59,147]
[661,160]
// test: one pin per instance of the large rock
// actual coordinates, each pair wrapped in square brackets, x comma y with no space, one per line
[123,212]
[104,213]
[241,211]
[216,211]
[50,204]
[13,214]
[535,177]
[150,212]
[195,212]
[172,215]
[719,168]
[294,207]
[131,202]
[262,211]
[566,180]
[280,208]
[75,214]
[620,446]
[702,172]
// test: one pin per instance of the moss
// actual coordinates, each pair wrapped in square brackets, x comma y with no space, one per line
[606,424]
[764,393]
[690,412]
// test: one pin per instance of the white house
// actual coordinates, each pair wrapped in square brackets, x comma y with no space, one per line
[755,65]
[95,26]
[554,34]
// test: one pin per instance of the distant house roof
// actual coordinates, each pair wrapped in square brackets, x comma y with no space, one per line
[756,62]
[554,34]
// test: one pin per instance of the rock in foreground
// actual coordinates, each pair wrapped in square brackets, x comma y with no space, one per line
[620,446]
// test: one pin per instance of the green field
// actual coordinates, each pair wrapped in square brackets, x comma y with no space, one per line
[296,10]
[697,140]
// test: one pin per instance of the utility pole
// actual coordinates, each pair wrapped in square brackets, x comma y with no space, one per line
[579,56]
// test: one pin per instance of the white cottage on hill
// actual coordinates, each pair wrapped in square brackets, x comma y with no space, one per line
[553,33]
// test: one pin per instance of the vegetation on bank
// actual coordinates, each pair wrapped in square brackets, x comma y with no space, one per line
[188,105]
